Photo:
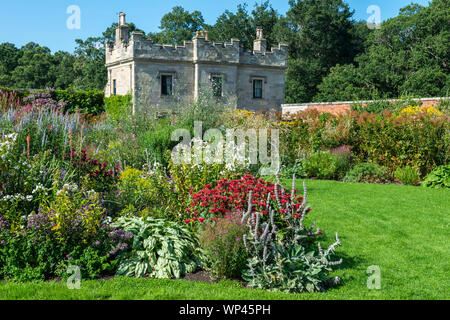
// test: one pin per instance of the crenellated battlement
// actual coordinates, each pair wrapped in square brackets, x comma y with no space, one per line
[198,50]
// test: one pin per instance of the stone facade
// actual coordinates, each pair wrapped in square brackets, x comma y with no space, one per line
[161,74]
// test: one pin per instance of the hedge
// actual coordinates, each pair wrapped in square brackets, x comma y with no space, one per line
[86,102]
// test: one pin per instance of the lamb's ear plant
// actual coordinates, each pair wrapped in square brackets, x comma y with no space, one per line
[285,259]
[161,249]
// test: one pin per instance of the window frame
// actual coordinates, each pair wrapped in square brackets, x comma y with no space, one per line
[217,76]
[165,76]
[254,80]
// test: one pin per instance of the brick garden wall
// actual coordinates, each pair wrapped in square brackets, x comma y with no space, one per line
[341,107]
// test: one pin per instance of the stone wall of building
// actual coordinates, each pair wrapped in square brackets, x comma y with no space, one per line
[136,65]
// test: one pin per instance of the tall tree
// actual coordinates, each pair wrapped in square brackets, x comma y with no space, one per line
[242,24]
[234,25]
[35,69]
[409,54]
[9,59]
[319,34]
[65,70]
[90,64]
[179,25]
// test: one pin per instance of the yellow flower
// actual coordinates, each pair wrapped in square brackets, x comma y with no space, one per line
[414,110]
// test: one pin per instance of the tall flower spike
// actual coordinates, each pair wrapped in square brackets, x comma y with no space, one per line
[305,195]
[256,227]
[249,210]
[277,195]
[293,188]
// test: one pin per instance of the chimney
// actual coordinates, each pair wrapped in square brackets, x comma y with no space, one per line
[122,29]
[122,19]
[201,35]
[260,44]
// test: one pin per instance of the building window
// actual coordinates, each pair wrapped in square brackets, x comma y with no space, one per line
[166,85]
[217,86]
[114,87]
[257,89]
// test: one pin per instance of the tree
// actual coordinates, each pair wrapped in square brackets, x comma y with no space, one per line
[320,34]
[179,25]
[9,59]
[35,68]
[345,83]
[234,25]
[65,70]
[90,64]
[241,25]
[408,55]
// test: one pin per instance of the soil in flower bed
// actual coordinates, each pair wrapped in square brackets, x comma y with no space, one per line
[201,276]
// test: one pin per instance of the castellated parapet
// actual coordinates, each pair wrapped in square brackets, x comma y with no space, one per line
[157,74]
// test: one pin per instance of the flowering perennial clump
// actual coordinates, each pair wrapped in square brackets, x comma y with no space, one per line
[231,195]
[97,171]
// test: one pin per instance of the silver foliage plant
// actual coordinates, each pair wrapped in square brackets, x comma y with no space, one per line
[284,259]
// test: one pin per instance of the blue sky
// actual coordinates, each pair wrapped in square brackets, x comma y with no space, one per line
[44,21]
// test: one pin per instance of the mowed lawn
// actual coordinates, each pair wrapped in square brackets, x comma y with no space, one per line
[402,230]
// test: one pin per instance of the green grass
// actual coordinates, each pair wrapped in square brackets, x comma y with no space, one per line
[403,230]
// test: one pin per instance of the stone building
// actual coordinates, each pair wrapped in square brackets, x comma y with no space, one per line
[160,74]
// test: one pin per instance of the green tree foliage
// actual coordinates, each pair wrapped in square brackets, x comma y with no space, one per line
[320,34]
[35,68]
[179,25]
[408,55]
[242,25]
[9,57]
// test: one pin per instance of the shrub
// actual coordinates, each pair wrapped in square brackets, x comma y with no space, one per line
[118,107]
[156,142]
[322,164]
[380,106]
[444,106]
[438,178]
[367,172]
[343,159]
[85,102]
[148,189]
[297,169]
[408,175]
[284,259]
[161,249]
[224,253]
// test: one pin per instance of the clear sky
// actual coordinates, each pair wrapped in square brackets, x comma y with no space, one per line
[45,21]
